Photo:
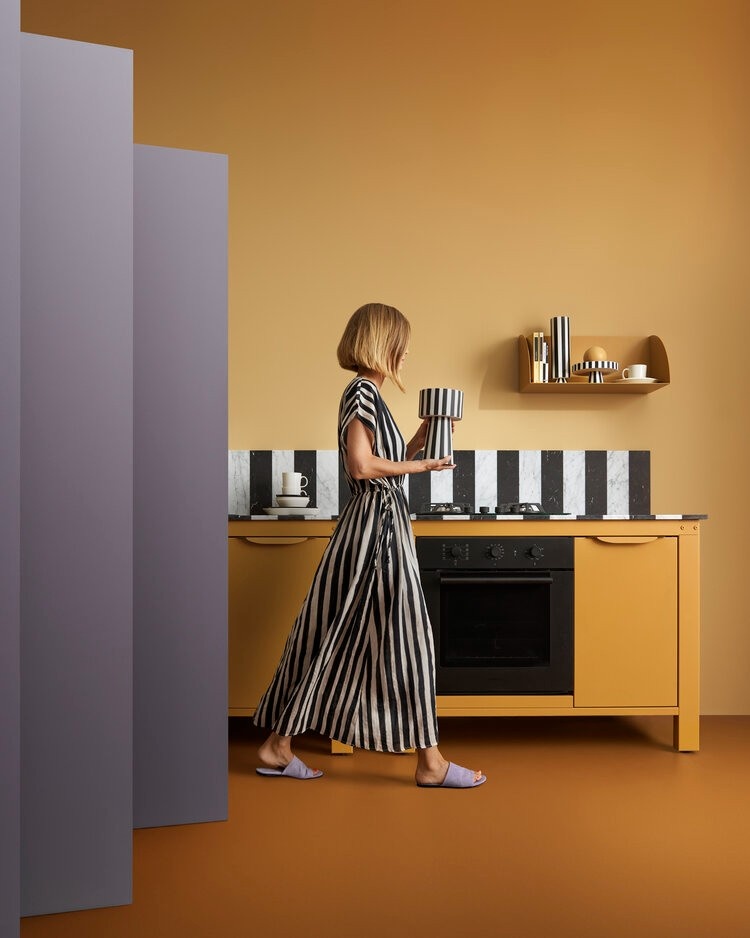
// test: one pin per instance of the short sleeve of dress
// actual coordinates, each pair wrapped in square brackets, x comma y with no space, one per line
[360,402]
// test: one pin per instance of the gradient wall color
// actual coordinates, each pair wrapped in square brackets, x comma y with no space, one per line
[76,475]
[180,415]
[484,165]
[10,473]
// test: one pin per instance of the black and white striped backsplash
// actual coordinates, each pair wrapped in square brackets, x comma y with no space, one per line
[578,482]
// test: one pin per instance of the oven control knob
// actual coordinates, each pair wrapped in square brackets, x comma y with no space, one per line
[455,551]
[496,552]
[535,552]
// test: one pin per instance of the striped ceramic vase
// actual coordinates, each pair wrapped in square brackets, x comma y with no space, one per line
[559,331]
[440,405]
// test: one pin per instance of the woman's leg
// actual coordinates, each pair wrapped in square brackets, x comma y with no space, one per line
[432,767]
[276,751]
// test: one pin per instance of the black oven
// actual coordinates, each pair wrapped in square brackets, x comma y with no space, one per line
[502,613]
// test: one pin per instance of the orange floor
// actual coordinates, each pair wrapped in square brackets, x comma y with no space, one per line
[586,827]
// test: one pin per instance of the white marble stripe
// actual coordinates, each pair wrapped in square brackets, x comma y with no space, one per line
[282,460]
[485,478]
[574,481]
[239,482]
[618,482]
[327,465]
[529,475]
[441,486]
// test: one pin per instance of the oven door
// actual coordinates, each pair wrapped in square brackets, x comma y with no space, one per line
[499,632]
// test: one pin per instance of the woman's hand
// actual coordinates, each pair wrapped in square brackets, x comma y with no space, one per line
[437,465]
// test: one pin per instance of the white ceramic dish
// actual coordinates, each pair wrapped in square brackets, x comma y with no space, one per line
[292,501]
[283,512]
[636,380]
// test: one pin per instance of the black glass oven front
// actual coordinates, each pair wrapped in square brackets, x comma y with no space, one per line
[502,613]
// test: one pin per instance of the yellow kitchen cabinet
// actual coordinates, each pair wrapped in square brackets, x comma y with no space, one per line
[268,579]
[626,621]
[637,615]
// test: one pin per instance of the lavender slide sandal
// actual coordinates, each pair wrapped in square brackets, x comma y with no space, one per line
[457,777]
[295,769]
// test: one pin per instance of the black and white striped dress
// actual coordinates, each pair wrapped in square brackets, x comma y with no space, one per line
[359,664]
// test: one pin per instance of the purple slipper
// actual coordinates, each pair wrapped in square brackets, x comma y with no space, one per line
[295,769]
[457,777]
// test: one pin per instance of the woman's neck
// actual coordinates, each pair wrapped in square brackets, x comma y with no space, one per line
[372,376]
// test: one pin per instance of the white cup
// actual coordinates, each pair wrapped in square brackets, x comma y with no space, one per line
[292,483]
[634,371]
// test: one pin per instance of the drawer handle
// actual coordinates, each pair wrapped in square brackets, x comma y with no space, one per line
[495,580]
[627,540]
[276,541]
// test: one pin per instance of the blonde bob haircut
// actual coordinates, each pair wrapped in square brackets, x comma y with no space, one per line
[375,339]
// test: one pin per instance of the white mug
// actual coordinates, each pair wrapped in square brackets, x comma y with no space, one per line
[634,371]
[292,483]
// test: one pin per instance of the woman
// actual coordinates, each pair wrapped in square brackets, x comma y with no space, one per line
[358,665]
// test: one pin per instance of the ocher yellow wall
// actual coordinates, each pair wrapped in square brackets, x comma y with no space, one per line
[483,165]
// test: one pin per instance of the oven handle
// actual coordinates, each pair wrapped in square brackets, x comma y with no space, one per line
[504,580]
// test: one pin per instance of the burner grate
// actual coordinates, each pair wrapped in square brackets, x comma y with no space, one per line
[446,508]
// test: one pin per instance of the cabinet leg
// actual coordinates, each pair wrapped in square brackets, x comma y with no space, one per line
[340,749]
[686,733]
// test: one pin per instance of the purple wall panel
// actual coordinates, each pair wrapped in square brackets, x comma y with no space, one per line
[76,483]
[180,447]
[10,391]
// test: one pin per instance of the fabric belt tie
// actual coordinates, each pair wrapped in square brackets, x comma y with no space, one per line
[385,529]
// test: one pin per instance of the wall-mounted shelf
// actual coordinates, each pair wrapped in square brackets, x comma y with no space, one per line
[626,350]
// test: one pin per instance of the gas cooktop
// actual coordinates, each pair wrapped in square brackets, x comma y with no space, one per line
[507,508]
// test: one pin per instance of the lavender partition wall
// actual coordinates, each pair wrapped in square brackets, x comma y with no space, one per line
[180,433]
[9,462]
[76,475]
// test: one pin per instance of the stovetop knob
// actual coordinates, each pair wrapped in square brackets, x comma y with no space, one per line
[495,551]
[455,551]
[535,552]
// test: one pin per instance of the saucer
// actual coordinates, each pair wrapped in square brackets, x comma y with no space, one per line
[283,512]
[636,380]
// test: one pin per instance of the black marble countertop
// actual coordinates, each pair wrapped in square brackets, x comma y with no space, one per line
[486,517]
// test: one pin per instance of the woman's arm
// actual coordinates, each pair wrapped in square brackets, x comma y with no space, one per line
[362,463]
[416,443]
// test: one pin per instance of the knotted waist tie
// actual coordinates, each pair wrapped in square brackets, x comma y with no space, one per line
[384,537]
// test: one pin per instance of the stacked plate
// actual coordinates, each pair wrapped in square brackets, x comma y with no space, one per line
[290,505]
[291,512]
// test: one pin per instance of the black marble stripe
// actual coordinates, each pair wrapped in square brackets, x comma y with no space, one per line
[261,483]
[463,478]
[552,481]
[507,476]
[419,491]
[596,482]
[639,474]
[306,462]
